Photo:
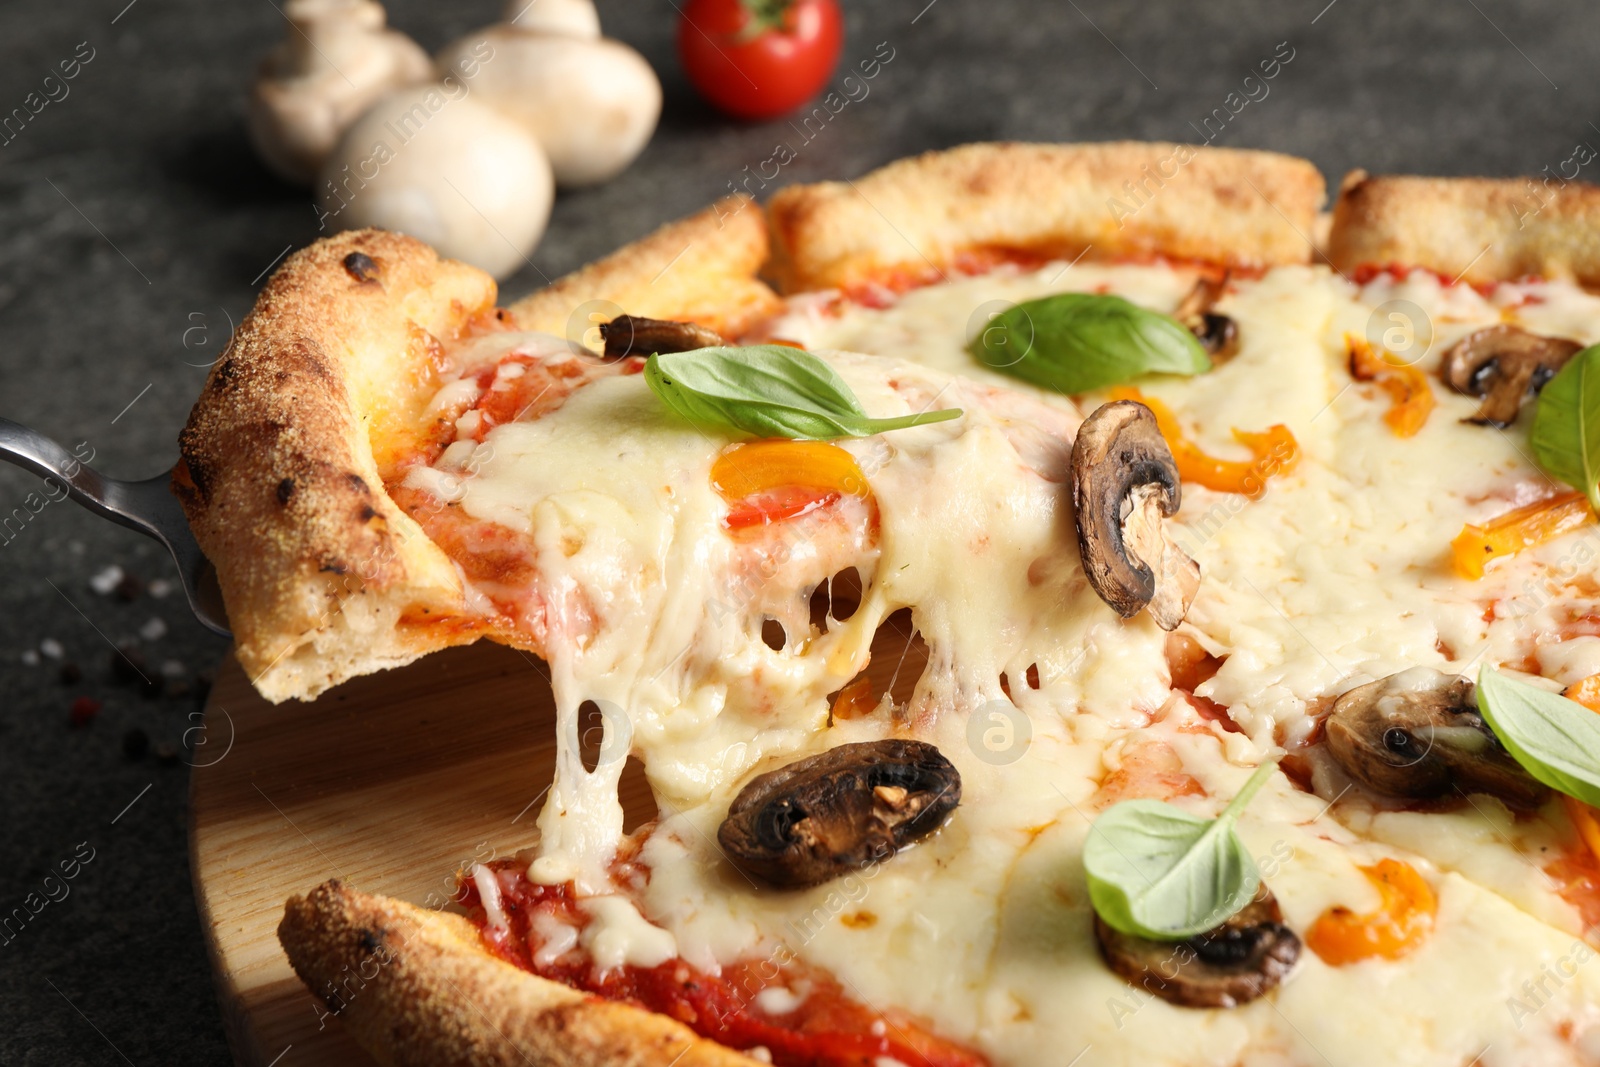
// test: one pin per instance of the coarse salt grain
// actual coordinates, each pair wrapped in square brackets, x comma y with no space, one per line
[51,647]
[153,630]
[105,581]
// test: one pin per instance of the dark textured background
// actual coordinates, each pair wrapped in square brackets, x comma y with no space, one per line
[132,212]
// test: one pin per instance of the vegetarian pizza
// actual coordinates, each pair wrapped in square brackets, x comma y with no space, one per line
[1249,555]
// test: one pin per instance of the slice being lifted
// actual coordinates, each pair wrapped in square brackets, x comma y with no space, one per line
[385,464]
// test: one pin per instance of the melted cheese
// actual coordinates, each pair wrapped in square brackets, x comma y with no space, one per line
[1337,576]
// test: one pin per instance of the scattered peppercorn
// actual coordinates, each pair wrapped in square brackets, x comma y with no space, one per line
[128,588]
[71,673]
[84,709]
[166,753]
[135,743]
[127,664]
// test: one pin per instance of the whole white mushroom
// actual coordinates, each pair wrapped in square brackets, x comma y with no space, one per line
[336,59]
[432,162]
[592,103]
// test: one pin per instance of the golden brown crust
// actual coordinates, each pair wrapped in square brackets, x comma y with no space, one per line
[417,987]
[920,215]
[283,453]
[1478,230]
[699,269]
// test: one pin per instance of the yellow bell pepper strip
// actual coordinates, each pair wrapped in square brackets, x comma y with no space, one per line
[1402,922]
[769,481]
[1274,452]
[1524,527]
[1405,384]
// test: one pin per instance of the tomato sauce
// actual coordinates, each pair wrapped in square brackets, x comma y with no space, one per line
[827,1028]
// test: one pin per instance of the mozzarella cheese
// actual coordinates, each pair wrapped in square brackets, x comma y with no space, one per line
[1338,575]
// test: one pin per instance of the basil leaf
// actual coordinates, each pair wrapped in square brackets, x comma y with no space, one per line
[1075,342]
[1566,425]
[1157,871]
[768,391]
[1555,739]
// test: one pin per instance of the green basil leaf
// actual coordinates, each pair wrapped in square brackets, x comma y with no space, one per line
[1566,425]
[1555,739]
[768,391]
[1157,871]
[1075,342]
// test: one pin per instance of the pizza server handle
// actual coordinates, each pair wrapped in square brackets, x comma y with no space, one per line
[147,506]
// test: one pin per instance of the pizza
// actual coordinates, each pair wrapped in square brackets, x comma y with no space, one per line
[1072,603]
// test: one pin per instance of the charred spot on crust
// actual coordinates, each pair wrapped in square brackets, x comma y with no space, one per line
[369,940]
[285,491]
[358,483]
[368,513]
[361,267]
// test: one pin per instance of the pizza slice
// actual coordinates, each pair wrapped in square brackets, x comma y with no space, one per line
[849,868]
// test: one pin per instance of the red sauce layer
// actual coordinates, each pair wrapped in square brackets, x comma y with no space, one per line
[827,1028]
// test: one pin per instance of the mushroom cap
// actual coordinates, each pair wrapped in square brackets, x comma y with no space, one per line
[1124,483]
[838,811]
[628,335]
[1418,734]
[448,171]
[1503,364]
[591,104]
[335,62]
[1233,963]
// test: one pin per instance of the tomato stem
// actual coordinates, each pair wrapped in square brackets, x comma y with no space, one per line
[765,16]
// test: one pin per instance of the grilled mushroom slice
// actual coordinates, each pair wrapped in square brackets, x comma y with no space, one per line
[1124,483]
[838,811]
[1226,966]
[1503,365]
[1218,334]
[628,335]
[1418,734]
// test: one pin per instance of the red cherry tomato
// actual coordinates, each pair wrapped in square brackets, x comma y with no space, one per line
[757,59]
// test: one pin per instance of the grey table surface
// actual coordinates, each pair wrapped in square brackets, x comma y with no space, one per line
[135,226]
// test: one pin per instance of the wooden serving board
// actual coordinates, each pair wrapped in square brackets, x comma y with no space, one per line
[390,782]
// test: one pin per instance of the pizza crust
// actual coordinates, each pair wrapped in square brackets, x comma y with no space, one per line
[284,454]
[418,987]
[1477,230]
[324,577]
[1121,199]
[700,269]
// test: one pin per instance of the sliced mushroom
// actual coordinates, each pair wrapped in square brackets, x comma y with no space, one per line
[841,810]
[628,335]
[1503,365]
[1124,483]
[1418,734]
[1229,965]
[1218,334]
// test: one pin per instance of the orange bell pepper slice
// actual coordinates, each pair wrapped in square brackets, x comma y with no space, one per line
[855,700]
[1585,819]
[1402,922]
[1405,384]
[1516,530]
[768,481]
[1274,452]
